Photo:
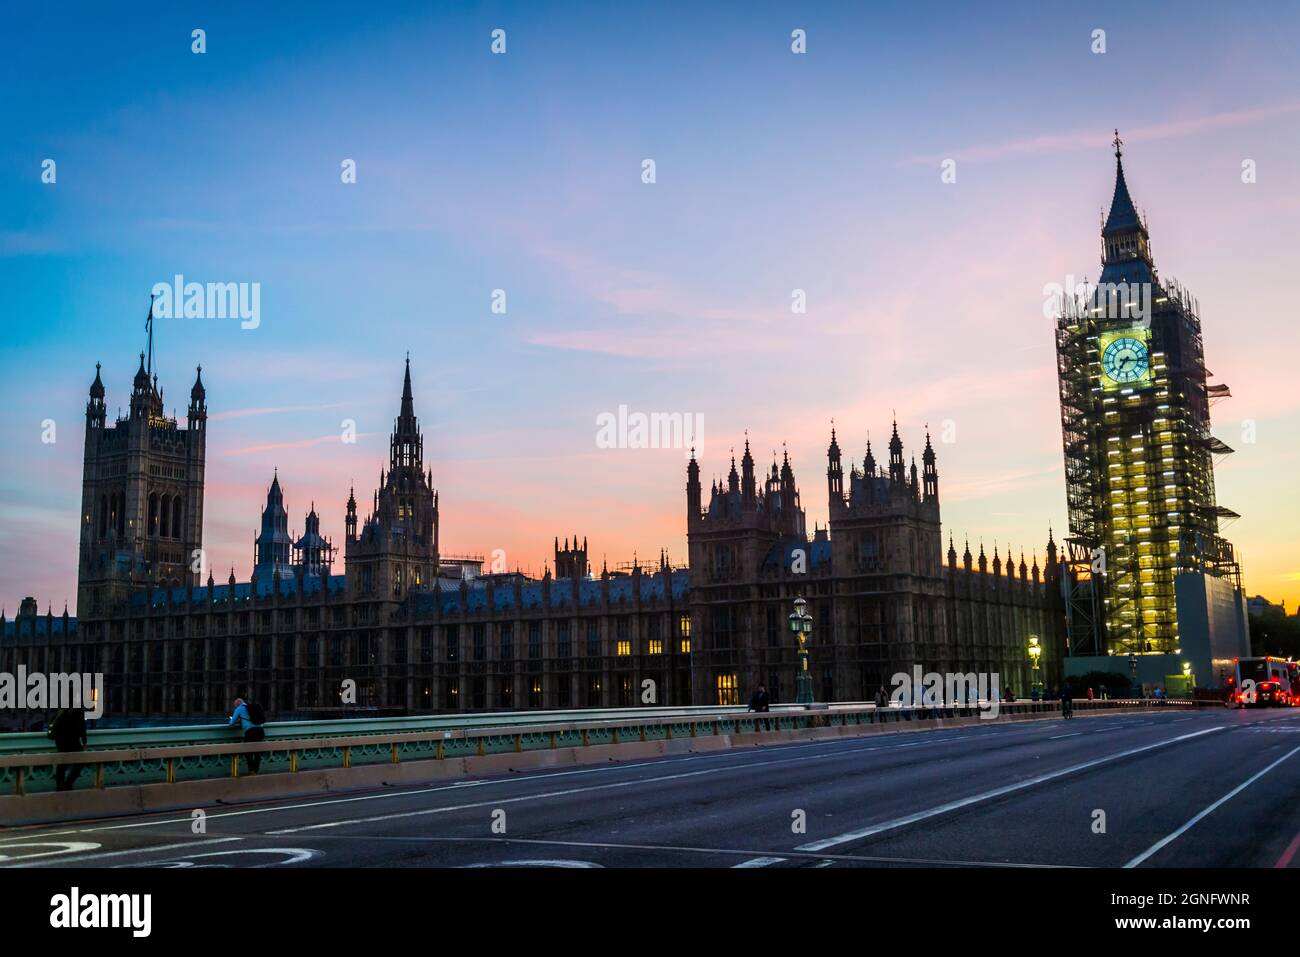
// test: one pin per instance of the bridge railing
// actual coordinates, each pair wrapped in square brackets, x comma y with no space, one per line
[34,772]
[27,742]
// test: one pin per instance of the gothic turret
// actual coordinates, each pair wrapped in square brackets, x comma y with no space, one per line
[273,544]
[694,494]
[929,474]
[197,416]
[897,469]
[748,486]
[313,554]
[834,470]
[95,407]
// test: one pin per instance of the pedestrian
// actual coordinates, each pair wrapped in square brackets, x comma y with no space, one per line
[1089,693]
[250,717]
[68,729]
[760,700]
[1067,701]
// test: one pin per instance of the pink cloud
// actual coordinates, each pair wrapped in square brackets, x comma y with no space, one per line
[1076,141]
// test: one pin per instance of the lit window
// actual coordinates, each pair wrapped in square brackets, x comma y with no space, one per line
[727,689]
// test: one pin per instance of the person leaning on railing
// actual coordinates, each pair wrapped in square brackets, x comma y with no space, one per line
[249,718]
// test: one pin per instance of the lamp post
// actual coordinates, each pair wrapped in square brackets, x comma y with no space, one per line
[1035,652]
[801,628]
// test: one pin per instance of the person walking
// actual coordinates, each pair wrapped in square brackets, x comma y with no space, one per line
[760,700]
[249,717]
[68,729]
[1067,701]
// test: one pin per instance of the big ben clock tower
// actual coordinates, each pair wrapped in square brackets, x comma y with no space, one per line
[1139,463]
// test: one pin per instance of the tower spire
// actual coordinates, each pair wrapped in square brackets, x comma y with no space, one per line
[408,402]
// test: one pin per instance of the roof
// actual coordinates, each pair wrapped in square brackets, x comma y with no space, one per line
[311,585]
[473,594]
[40,626]
[1123,216]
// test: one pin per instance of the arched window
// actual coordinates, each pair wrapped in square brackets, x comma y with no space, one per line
[164,525]
[153,514]
[103,515]
[178,517]
[119,512]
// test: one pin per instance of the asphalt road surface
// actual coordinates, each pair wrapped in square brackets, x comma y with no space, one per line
[1210,788]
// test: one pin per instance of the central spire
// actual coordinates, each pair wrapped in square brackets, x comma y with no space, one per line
[406,446]
[408,402]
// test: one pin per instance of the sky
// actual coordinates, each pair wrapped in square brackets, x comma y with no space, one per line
[523,172]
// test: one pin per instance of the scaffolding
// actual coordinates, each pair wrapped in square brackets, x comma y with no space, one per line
[1139,471]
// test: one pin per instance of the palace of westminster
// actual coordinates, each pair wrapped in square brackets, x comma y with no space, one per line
[418,631]
[413,630]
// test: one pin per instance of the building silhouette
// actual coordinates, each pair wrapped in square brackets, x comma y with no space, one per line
[420,631]
[142,494]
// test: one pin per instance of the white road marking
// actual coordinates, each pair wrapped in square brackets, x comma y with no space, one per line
[541,862]
[667,760]
[497,802]
[1223,800]
[292,855]
[66,847]
[134,850]
[758,862]
[423,839]
[935,737]
[873,829]
[1057,737]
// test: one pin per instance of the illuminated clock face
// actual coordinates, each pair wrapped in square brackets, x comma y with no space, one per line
[1125,360]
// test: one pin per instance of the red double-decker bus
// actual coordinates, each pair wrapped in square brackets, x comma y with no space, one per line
[1264,682]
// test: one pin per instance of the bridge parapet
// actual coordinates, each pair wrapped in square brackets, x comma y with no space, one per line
[133,779]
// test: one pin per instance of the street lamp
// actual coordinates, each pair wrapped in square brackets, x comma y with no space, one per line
[1035,652]
[801,628]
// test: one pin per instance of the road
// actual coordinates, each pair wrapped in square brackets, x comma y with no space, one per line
[1212,788]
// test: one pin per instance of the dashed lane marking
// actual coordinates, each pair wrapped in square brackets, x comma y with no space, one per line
[949,806]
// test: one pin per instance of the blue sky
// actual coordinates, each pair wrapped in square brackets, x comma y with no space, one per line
[521,172]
